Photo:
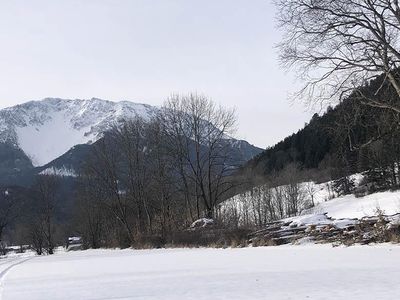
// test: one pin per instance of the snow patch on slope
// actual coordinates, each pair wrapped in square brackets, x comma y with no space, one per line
[61,172]
[45,142]
[350,206]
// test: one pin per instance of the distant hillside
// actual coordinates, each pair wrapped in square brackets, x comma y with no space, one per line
[15,166]
[307,147]
[346,139]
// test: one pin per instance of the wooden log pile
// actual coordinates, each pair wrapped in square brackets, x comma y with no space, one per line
[381,228]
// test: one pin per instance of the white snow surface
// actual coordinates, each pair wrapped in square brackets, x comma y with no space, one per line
[203,222]
[321,220]
[46,129]
[350,206]
[286,272]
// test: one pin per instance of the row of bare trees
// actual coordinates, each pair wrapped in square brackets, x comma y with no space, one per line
[28,216]
[282,195]
[145,181]
[42,223]
[150,177]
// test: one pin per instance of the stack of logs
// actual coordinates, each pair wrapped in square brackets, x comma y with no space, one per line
[382,228]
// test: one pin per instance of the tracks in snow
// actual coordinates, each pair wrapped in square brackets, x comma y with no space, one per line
[7,265]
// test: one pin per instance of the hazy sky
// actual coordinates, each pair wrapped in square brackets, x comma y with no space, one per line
[144,50]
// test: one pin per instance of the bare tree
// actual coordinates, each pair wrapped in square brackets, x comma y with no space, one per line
[198,130]
[294,196]
[46,187]
[131,139]
[257,208]
[262,205]
[90,214]
[133,179]
[310,190]
[10,205]
[338,46]
[36,236]
[292,191]
[162,181]
[279,201]
[270,213]
[104,168]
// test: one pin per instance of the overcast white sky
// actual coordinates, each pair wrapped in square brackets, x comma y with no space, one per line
[144,50]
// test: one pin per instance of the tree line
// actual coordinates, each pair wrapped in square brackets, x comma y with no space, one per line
[281,195]
[147,178]
[153,177]
[349,138]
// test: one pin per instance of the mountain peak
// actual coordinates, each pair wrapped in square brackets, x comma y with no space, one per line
[48,128]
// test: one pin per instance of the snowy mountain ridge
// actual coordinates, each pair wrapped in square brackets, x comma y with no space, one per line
[46,129]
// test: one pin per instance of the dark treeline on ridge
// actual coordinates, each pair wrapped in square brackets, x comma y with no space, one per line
[349,138]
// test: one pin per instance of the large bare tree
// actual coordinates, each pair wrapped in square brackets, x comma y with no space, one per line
[10,207]
[198,132]
[104,167]
[131,175]
[338,46]
[46,187]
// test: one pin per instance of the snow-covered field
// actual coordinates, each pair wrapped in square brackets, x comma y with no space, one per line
[286,272]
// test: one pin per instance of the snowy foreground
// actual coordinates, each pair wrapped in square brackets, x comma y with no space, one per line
[287,272]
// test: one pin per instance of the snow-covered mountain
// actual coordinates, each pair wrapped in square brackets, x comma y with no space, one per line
[47,129]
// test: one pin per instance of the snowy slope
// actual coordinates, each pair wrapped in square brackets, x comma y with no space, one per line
[46,129]
[351,207]
[327,202]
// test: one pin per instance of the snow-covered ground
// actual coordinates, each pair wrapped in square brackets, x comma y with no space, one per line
[287,272]
[9,262]
[351,207]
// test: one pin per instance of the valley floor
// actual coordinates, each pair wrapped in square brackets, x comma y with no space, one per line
[286,272]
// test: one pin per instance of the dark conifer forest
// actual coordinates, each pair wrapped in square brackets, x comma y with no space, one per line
[349,138]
